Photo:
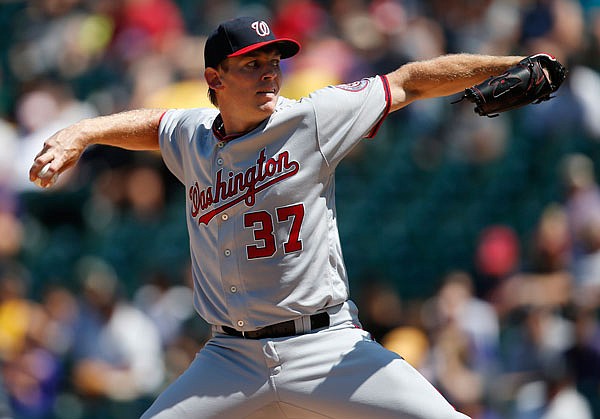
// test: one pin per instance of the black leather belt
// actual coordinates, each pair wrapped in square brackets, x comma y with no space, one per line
[279,330]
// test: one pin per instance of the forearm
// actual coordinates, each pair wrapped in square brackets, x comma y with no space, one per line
[132,130]
[443,76]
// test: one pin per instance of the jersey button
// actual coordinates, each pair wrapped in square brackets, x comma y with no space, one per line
[233,288]
[240,323]
[220,162]
[224,217]
[227,252]
[221,144]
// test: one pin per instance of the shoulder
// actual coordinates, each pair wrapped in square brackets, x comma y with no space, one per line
[291,108]
[284,103]
[196,116]
[354,91]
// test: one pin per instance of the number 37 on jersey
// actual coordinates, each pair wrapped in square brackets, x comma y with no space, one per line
[263,225]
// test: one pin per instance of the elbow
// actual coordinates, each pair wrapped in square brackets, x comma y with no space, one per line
[403,91]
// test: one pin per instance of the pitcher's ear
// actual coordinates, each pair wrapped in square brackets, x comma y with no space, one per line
[212,78]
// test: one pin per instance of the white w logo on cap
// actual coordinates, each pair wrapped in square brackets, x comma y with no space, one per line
[261,28]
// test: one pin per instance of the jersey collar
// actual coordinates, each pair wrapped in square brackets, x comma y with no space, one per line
[218,130]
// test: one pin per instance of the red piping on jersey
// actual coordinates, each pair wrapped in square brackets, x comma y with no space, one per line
[388,105]
[161,117]
[221,137]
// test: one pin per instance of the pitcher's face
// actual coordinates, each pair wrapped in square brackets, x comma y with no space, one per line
[251,83]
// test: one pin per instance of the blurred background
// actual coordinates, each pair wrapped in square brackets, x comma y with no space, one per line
[472,244]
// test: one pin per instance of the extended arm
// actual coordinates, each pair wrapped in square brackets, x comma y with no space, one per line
[132,130]
[443,76]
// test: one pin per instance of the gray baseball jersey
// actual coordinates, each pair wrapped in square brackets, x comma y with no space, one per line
[260,206]
[265,249]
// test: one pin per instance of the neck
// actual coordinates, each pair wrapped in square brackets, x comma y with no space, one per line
[239,119]
[235,125]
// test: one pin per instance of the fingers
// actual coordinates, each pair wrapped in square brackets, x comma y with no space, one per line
[45,178]
[41,160]
[60,152]
[45,168]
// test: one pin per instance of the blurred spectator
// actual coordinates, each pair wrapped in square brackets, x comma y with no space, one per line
[117,349]
[335,60]
[410,342]
[50,38]
[65,60]
[381,308]
[33,378]
[465,335]
[452,369]
[300,19]
[9,146]
[146,25]
[552,396]
[5,410]
[591,56]
[559,26]
[471,26]
[497,253]
[32,372]
[545,280]
[170,306]
[476,140]
[47,107]
[12,237]
[175,83]
[534,338]
[552,243]
[586,269]
[566,402]
[20,318]
[146,83]
[128,207]
[167,304]
[61,312]
[581,196]
[583,357]
[456,306]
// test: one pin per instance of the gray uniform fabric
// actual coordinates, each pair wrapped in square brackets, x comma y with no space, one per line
[265,249]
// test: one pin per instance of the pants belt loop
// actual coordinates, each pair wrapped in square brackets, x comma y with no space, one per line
[306,324]
[302,325]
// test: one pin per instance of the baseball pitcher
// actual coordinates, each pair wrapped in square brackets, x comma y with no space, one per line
[268,271]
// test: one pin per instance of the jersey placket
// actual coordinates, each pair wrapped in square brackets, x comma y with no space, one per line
[229,250]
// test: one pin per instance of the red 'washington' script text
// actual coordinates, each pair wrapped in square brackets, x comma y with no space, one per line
[241,186]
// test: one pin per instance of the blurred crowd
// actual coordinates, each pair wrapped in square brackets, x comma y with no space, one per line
[472,244]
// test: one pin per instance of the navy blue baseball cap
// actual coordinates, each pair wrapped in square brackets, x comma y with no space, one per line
[242,35]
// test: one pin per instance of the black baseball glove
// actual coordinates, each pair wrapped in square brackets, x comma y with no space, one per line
[520,85]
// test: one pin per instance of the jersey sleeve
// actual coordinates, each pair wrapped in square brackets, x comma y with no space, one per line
[347,113]
[176,130]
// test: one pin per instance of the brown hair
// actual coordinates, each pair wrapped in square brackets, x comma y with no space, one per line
[212,96]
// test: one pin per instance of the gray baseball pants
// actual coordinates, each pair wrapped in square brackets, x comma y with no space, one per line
[339,372]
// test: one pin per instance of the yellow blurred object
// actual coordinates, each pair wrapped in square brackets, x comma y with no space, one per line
[183,94]
[15,319]
[300,83]
[193,93]
[410,343]
[96,33]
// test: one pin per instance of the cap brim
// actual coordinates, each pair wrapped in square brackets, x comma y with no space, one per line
[286,46]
